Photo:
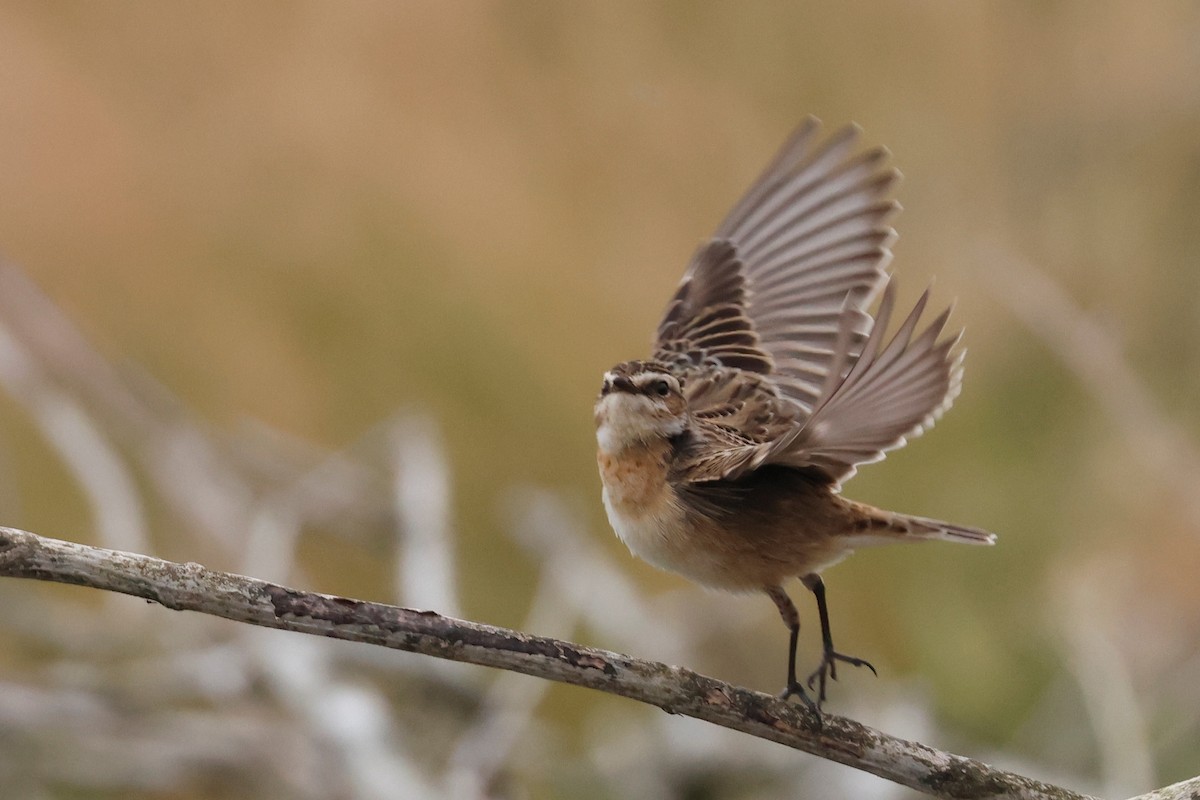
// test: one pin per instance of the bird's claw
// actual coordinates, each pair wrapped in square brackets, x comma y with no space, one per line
[828,669]
[796,689]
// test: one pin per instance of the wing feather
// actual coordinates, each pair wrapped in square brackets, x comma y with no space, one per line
[769,326]
[892,394]
[809,244]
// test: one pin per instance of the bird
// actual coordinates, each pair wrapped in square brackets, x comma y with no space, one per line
[722,457]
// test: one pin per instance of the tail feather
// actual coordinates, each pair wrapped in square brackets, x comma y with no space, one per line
[925,528]
[876,526]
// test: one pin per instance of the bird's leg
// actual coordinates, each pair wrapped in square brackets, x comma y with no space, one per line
[830,657]
[791,618]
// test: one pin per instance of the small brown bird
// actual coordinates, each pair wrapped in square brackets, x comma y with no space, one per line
[722,458]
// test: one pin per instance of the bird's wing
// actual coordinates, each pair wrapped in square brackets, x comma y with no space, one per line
[796,262]
[895,389]
[707,323]
[735,417]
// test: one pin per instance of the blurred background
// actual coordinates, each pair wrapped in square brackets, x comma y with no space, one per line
[323,293]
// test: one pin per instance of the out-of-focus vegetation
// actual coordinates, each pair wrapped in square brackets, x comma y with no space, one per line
[292,224]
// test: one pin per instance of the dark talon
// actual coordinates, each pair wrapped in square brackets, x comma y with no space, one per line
[796,690]
[828,669]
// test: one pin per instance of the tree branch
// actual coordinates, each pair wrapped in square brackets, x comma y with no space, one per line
[192,587]
[1184,790]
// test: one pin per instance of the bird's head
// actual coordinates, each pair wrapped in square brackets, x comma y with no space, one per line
[640,401]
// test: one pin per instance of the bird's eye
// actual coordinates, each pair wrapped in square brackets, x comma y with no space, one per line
[661,388]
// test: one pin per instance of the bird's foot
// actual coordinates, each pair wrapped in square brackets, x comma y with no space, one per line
[796,689]
[828,669]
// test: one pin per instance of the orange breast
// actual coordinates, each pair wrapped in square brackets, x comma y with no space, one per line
[635,479]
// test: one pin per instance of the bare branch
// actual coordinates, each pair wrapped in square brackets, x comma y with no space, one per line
[193,587]
[1184,790]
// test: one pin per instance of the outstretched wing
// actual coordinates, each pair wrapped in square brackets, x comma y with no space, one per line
[894,391]
[707,323]
[795,263]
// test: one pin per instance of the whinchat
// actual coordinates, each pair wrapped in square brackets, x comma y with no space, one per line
[722,457]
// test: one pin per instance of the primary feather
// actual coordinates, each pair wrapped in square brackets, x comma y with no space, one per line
[781,294]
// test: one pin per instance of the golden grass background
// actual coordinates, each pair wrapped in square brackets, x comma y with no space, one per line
[314,215]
